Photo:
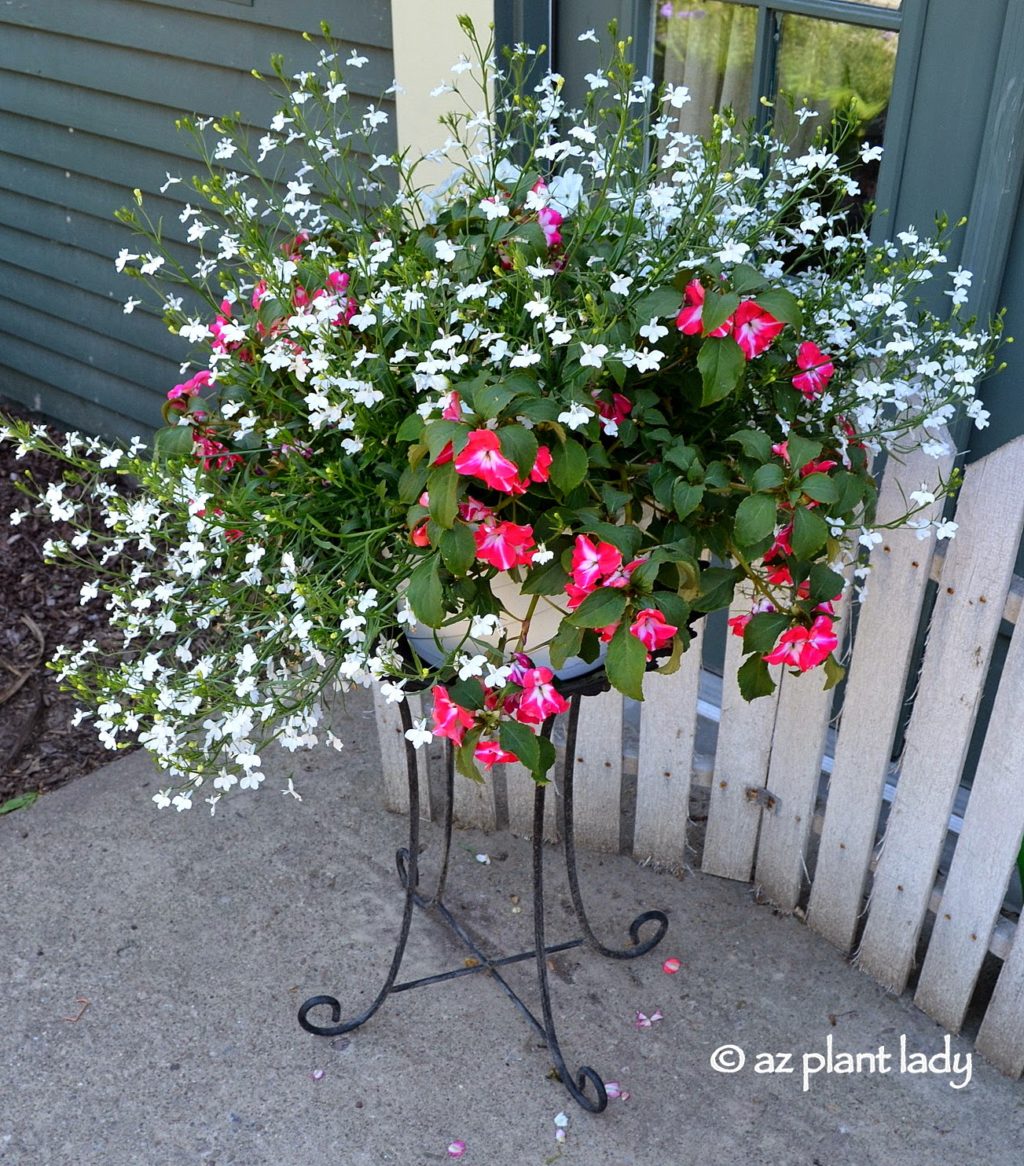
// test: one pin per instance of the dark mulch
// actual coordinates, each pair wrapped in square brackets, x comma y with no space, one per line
[39,610]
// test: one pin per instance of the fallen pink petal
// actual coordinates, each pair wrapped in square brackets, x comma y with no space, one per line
[318,1074]
[644,1021]
[615,1091]
[671,966]
[456,1149]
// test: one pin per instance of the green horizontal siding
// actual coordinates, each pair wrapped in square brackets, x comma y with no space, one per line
[89,93]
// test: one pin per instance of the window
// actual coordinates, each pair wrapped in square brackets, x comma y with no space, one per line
[778,60]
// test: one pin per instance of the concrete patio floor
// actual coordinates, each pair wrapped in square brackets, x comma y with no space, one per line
[194,940]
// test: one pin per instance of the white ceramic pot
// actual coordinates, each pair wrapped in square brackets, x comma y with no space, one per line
[547,615]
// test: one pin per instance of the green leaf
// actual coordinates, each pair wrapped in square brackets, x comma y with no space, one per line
[549,579]
[565,644]
[810,533]
[746,279]
[425,593]
[783,305]
[756,445]
[626,663]
[801,450]
[685,498]
[820,487]
[491,399]
[411,428]
[755,519]
[412,484]
[763,630]
[754,678]
[662,301]
[770,476]
[717,309]
[547,759]
[721,363]
[465,763]
[826,584]
[834,671]
[469,694]
[522,741]
[439,433]
[175,441]
[672,607]
[568,465]
[850,489]
[680,456]
[717,585]
[458,549]
[21,802]
[520,446]
[443,488]
[600,609]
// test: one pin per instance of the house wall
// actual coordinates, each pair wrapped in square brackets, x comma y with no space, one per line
[89,92]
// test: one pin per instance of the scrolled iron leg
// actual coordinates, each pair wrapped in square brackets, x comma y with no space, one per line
[577,1086]
[638,947]
[407,861]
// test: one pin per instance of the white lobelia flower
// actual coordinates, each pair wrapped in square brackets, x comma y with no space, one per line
[576,416]
[419,735]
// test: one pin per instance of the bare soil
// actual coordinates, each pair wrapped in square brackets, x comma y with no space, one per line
[39,610]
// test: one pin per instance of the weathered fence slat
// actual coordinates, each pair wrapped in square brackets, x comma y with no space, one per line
[598,773]
[393,755]
[975,580]
[886,631]
[984,856]
[520,789]
[741,768]
[668,727]
[474,803]
[1001,1036]
[794,773]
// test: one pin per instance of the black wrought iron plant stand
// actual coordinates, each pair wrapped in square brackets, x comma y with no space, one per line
[407,859]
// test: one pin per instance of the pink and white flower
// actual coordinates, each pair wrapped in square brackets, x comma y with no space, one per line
[652,629]
[540,699]
[482,458]
[818,370]
[805,648]
[450,719]
[754,329]
[504,545]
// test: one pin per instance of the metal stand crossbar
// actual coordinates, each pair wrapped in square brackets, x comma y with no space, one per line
[407,860]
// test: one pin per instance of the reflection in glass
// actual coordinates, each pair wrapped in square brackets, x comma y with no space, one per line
[832,68]
[824,66]
[709,48]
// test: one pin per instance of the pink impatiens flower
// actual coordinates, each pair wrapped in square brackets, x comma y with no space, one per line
[652,630]
[504,544]
[490,753]
[540,699]
[689,320]
[754,329]
[590,563]
[450,719]
[817,371]
[482,458]
[805,648]
[550,220]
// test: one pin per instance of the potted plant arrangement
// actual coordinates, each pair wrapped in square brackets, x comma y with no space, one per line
[481,435]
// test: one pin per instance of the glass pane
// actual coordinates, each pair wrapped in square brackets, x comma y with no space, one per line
[890,4]
[709,48]
[830,67]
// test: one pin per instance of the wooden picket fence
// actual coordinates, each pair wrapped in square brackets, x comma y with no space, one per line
[805,799]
